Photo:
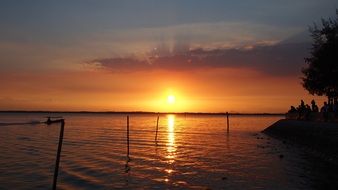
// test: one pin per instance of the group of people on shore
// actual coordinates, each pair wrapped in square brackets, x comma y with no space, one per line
[304,110]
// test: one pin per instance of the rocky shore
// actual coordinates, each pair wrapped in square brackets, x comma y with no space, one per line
[321,137]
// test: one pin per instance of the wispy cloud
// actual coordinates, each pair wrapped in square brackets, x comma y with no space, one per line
[32,54]
[209,35]
[278,59]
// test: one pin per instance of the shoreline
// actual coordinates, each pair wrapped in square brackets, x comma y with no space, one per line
[320,137]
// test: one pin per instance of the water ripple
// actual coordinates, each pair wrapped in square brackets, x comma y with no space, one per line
[190,153]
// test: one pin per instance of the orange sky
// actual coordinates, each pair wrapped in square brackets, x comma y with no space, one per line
[215,90]
[213,56]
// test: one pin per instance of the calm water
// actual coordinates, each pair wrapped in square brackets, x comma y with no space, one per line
[193,152]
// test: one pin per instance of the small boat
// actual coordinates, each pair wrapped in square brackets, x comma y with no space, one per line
[50,121]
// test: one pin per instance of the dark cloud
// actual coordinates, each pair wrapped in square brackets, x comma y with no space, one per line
[279,59]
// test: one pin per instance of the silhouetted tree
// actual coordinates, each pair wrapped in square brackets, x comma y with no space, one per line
[321,75]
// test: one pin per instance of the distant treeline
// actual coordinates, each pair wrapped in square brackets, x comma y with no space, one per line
[142,112]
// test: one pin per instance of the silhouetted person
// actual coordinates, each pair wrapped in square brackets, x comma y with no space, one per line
[314,106]
[301,109]
[325,108]
[307,112]
[302,104]
[330,105]
[49,121]
[325,111]
[292,109]
[335,107]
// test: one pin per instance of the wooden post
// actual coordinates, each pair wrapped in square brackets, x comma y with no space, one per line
[57,163]
[158,117]
[227,122]
[128,136]
[127,168]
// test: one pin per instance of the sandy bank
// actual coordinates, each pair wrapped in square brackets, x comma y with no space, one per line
[319,136]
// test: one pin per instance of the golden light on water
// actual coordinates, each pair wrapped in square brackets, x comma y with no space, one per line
[171,149]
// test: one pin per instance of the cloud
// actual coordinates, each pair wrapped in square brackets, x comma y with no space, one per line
[209,35]
[278,59]
[34,54]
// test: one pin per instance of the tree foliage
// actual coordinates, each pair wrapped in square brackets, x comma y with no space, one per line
[321,74]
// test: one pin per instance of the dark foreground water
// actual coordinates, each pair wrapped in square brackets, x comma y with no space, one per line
[192,152]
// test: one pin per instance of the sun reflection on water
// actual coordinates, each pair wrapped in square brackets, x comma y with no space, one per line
[171,149]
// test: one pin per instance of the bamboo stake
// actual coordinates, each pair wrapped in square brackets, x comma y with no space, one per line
[57,162]
[158,117]
[128,136]
[227,122]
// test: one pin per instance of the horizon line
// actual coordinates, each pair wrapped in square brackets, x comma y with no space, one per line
[140,112]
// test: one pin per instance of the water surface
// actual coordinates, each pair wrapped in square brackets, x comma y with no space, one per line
[192,152]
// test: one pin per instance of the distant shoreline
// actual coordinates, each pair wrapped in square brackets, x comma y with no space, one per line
[144,112]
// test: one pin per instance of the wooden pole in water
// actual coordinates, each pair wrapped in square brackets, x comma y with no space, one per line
[57,162]
[128,136]
[227,122]
[158,117]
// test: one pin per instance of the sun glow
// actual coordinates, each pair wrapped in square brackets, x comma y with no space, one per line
[171,99]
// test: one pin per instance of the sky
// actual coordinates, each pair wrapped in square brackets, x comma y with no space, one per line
[123,55]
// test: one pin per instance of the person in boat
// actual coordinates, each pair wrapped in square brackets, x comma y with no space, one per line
[49,121]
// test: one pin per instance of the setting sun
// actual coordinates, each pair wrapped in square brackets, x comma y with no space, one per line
[171,99]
